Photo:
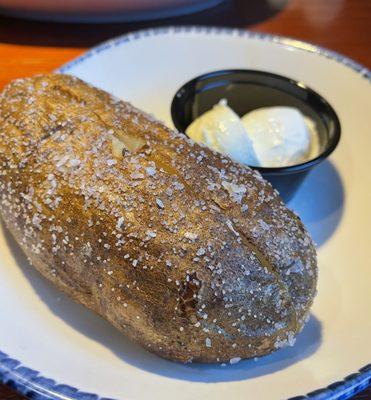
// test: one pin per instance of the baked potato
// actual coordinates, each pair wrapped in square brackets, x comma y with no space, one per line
[189,254]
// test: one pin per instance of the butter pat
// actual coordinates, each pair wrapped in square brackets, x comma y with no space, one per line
[280,135]
[222,130]
[265,137]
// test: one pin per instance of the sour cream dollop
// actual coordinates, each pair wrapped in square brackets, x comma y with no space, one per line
[222,130]
[265,137]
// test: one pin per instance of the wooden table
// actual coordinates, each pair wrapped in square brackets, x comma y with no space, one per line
[28,48]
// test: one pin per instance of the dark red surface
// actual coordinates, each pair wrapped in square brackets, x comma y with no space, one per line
[28,48]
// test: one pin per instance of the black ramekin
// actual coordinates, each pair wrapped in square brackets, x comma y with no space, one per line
[247,90]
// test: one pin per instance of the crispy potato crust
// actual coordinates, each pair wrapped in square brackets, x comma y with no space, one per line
[189,254]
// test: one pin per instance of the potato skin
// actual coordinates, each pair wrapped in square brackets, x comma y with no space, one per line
[189,254]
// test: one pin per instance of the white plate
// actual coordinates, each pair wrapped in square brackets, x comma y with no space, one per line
[51,334]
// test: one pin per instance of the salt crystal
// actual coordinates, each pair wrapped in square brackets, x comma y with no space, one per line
[62,161]
[36,221]
[230,226]
[74,162]
[235,360]
[87,249]
[151,171]
[235,191]
[136,175]
[244,208]
[160,203]
[290,338]
[191,236]
[120,222]
[264,225]
[178,185]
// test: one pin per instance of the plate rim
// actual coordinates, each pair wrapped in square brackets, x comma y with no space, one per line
[286,41]
[30,382]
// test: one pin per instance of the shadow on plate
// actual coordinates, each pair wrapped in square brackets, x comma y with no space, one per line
[233,13]
[99,330]
[320,202]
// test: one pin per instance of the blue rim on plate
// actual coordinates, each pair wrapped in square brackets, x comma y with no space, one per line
[33,385]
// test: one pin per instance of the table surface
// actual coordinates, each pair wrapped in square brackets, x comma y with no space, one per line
[30,47]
